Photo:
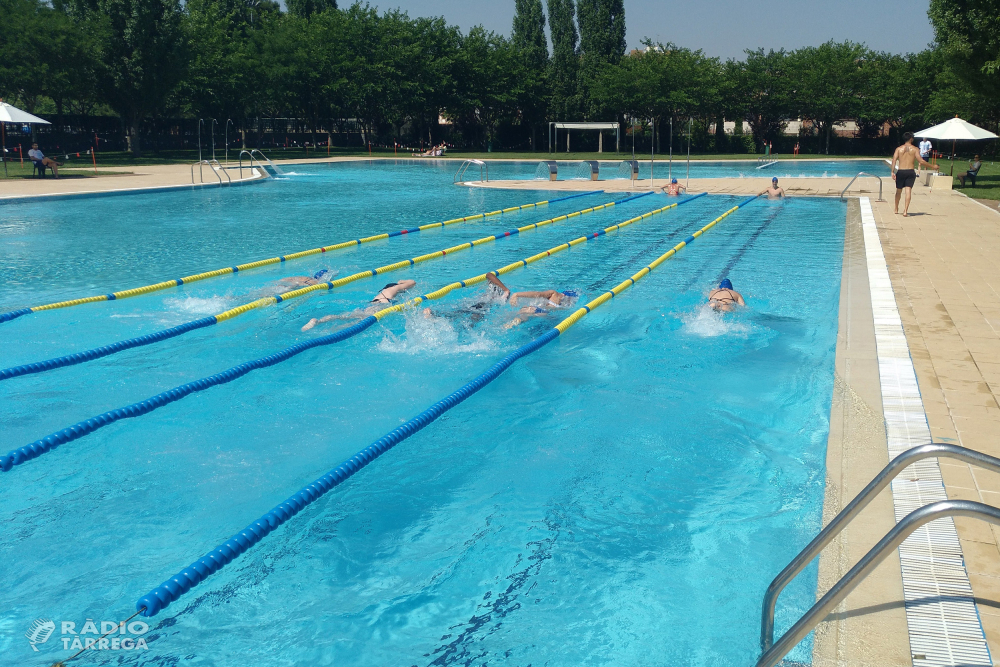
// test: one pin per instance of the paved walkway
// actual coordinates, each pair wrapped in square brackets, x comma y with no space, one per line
[943,263]
[123,178]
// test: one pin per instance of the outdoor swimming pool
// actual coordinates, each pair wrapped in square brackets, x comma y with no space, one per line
[627,491]
[611,169]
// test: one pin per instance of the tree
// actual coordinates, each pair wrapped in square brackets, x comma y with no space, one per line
[141,51]
[602,30]
[565,62]
[759,91]
[968,32]
[306,8]
[528,40]
[488,74]
[828,81]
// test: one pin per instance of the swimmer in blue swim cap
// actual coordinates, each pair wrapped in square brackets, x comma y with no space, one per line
[673,188]
[775,192]
[724,298]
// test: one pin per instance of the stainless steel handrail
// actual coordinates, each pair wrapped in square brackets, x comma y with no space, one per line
[468,163]
[864,173]
[201,175]
[252,160]
[846,515]
[910,523]
[273,166]
[217,166]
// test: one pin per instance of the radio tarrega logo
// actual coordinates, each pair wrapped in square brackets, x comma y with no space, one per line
[39,632]
[112,635]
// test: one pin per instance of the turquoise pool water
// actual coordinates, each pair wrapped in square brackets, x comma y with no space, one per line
[623,496]
[612,168]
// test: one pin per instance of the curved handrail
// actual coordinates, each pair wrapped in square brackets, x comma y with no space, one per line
[201,175]
[863,173]
[902,530]
[252,160]
[273,166]
[839,522]
[217,167]
[468,163]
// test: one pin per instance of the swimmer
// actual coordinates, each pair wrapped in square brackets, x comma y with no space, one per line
[724,298]
[385,297]
[305,281]
[673,189]
[554,298]
[774,192]
[497,291]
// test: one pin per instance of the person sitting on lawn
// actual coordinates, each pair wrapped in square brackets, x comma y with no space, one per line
[38,157]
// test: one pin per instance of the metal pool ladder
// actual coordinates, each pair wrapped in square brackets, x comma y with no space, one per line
[772,652]
[272,169]
[460,174]
[216,168]
[864,173]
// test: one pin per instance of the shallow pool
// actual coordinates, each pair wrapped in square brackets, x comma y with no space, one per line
[627,491]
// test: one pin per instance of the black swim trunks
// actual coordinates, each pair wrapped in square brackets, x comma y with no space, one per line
[905,178]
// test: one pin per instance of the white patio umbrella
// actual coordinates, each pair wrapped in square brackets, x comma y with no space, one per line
[11,114]
[955,129]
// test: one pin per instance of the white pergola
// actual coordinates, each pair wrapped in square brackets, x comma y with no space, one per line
[554,128]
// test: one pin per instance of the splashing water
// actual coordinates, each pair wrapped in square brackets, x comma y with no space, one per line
[708,323]
[197,305]
[435,334]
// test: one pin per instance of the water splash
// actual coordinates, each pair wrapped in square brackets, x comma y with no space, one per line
[706,322]
[434,334]
[197,305]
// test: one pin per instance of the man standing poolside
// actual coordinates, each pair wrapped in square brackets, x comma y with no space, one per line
[925,149]
[906,157]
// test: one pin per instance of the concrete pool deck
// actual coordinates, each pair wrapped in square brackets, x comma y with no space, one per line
[942,265]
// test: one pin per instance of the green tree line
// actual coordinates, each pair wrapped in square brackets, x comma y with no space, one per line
[395,77]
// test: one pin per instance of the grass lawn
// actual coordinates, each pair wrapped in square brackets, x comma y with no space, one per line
[987,185]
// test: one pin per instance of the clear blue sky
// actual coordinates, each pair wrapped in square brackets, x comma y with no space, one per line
[725,27]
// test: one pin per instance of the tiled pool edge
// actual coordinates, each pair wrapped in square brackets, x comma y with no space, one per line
[941,614]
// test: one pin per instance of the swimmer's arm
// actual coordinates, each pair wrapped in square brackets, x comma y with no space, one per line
[739,299]
[892,165]
[403,285]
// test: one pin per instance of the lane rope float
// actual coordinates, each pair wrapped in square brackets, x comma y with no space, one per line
[179,584]
[177,282]
[71,433]
[165,334]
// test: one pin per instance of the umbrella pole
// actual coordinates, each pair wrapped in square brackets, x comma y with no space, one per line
[3,140]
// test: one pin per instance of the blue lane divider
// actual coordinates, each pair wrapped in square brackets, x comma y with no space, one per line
[14,314]
[179,584]
[165,334]
[39,447]
[98,352]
